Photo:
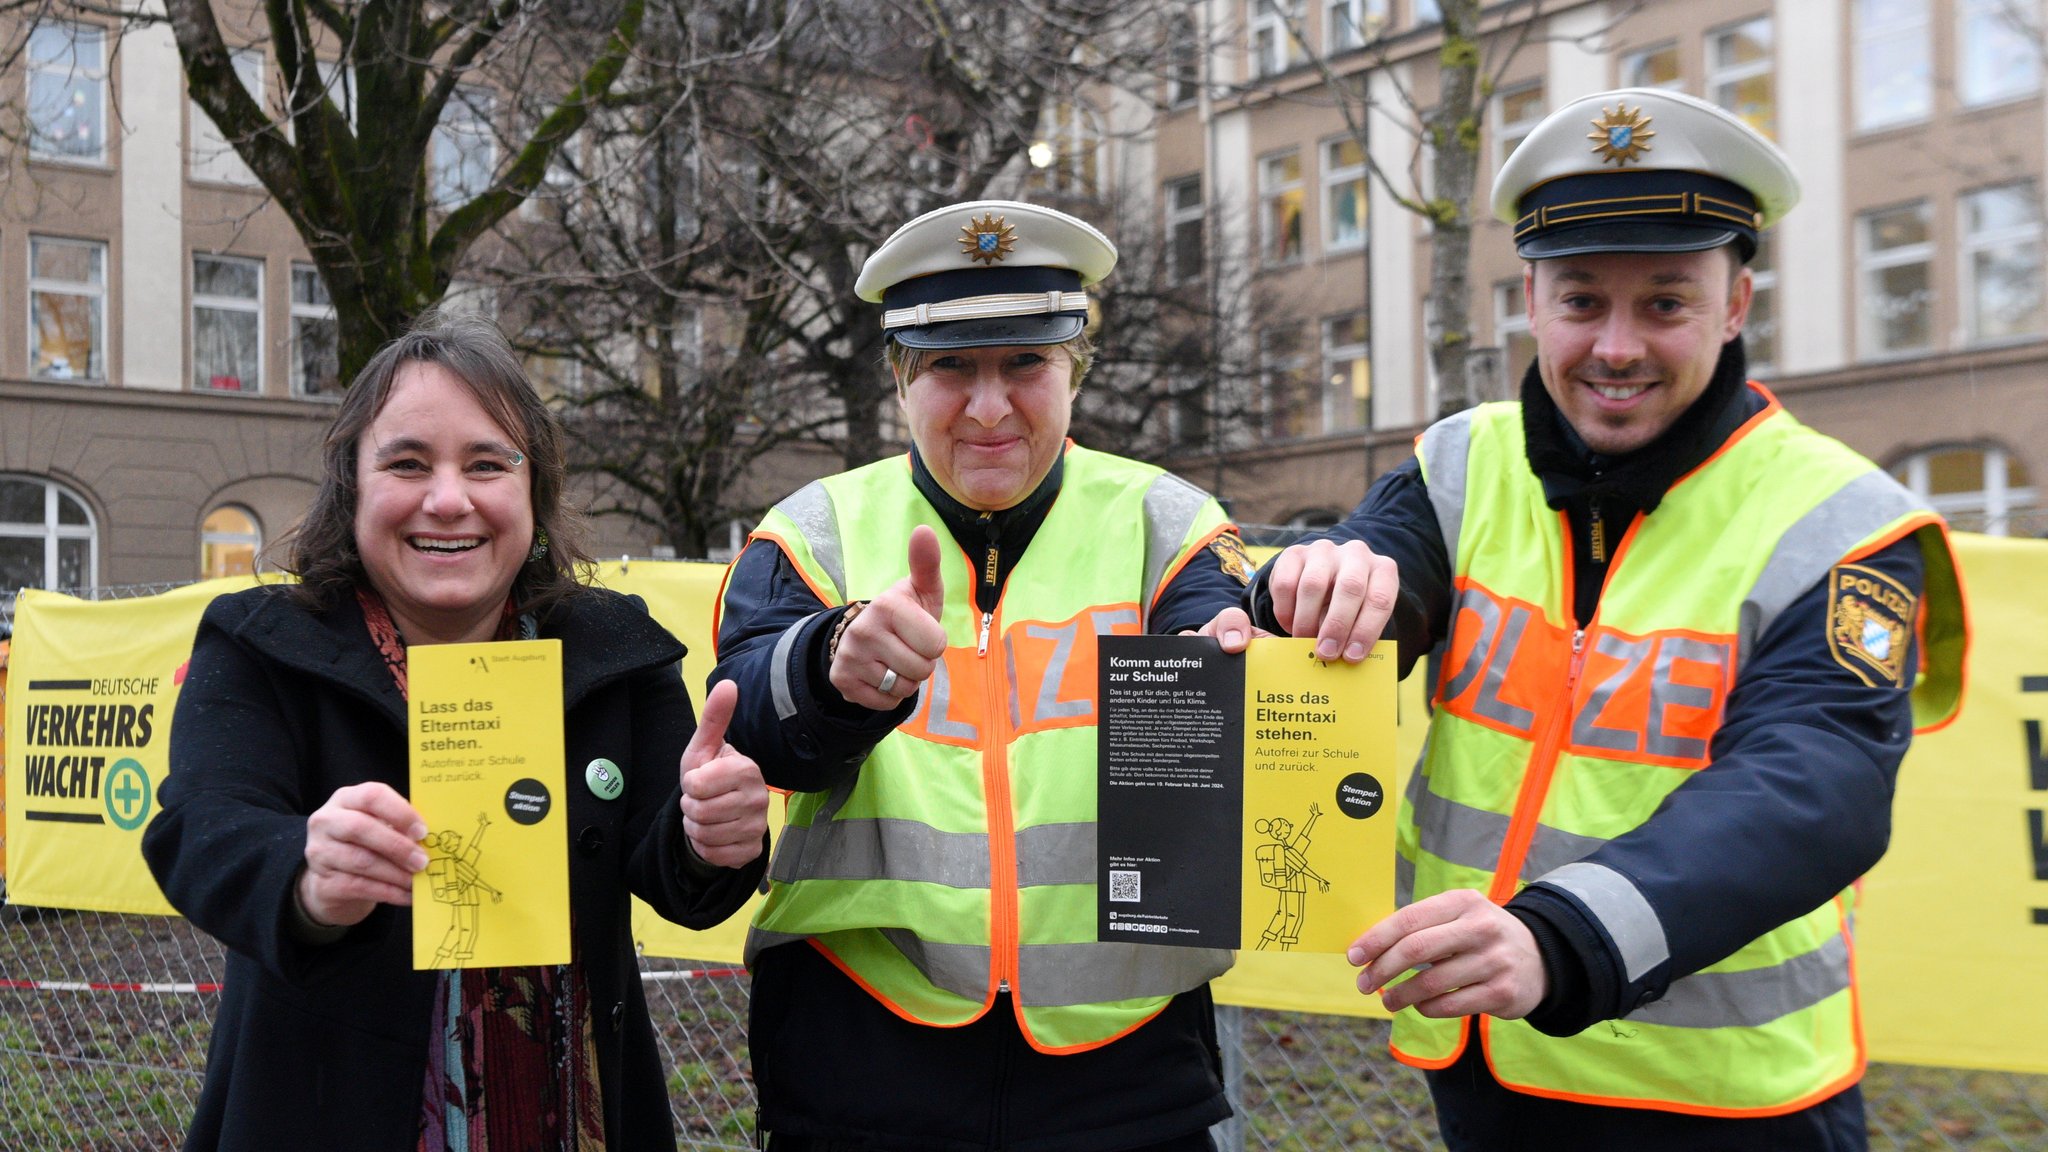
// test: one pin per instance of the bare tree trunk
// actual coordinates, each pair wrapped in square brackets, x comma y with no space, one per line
[1454,130]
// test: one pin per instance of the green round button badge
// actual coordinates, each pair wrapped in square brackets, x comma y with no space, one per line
[605,779]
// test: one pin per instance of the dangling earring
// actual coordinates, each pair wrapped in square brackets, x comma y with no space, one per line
[540,545]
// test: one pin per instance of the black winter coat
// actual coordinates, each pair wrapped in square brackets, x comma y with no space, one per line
[325,1046]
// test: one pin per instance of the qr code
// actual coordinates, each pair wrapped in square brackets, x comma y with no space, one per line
[1123,886]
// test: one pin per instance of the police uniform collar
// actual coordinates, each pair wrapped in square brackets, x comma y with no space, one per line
[1012,527]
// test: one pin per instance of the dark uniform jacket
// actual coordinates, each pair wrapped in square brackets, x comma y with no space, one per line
[833,1064]
[325,1046]
[1801,778]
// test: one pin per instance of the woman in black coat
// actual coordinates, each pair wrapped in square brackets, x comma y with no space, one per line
[286,834]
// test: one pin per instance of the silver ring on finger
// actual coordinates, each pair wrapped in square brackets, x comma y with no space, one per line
[888,684]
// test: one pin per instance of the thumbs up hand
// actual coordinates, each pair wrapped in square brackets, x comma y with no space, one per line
[725,801]
[890,648]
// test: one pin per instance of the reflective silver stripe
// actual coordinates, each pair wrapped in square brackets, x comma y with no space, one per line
[1464,835]
[1049,706]
[1488,610]
[1666,692]
[1621,909]
[1404,881]
[1444,448]
[936,697]
[1553,848]
[1171,506]
[1755,997]
[1058,975]
[1587,731]
[961,969]
[1488,703]
[1056,854]
[810,509]
[778,670]
[1816,543]
[882,849]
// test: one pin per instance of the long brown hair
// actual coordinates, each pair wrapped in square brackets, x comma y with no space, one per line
[323,552]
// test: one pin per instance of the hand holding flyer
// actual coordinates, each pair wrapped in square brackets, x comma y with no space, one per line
[1276,757]
[486,740]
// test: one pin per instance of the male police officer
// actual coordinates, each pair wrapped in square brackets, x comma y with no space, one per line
[1680,645]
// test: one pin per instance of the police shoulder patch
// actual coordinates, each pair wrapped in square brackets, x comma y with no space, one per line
[1229,550]
[1869,618]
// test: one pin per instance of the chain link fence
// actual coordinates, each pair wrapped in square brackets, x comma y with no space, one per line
[104,1021]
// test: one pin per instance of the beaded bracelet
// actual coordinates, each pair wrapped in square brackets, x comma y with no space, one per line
[832,642]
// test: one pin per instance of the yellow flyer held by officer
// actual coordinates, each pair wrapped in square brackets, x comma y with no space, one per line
[1243,801]
[486,750]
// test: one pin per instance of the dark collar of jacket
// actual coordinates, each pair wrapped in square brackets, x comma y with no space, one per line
[1008,530]
[606,636]
[1638,480]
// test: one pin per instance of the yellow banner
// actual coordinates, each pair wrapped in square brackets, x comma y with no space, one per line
[1960,902]
[91,690]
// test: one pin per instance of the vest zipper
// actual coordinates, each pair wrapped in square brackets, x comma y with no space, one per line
[1536,784]
[1002,834]
[990,592]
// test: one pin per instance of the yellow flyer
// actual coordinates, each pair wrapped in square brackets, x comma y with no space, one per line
[1243,801]
[486,740]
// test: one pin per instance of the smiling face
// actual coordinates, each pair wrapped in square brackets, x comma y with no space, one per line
[1626,341]
[989,422]
[444,509]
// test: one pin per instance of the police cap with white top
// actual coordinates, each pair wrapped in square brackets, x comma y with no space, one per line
[1641,170]
[987,272]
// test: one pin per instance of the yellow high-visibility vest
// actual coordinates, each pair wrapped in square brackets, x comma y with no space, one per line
[1550,737]
[959,859]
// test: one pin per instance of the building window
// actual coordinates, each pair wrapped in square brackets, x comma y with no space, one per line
[2000,52]
[1428,12]
[212,158]
[67,93]
[1760,331]
[1347,373]
[316,336]
[1344,195]
[1739,73]
[67,288]
[1516,112]
[227,324]
[2002,262]
[1184,75]
[1979,488]
[465,148]
[228,543]
[1183,229]
[1511,332]
[1280,204]
[1653,68]
[46,538]
[1066,160]
[1275,47]
[1895,251]
[1348,24]
[1894,63]
[1287,404]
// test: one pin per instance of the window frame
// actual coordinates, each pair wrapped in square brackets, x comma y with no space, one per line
[216,538]
[1177,216]
[1501,126]
[1763,280]
[1270,195]
[222,165]
[1870,261]
[1718,78]
[1332,354]
[1365,18]
[1508,324]
[240,305]
[96,292]
[1272,16]
[1632,61]
[297,310]
[51,532]
[1964,11]
[1280,355]
[1997,500]
[479,110]
[1969,244]
[1336,177]
[1184,59]
[98,77]
[1919,32]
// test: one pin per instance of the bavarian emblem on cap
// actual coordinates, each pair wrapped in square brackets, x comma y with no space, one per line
[987,239]
[1620,135]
